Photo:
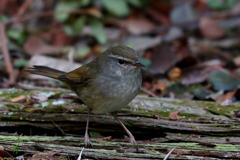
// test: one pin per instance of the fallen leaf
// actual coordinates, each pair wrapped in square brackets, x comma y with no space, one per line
[161,61]
[210,29]
[104,139]
[137,25]
[163,7]
[157,16]
[35,45]
[223,81]
[51,62]
[94,11]
[165,56]
[156,116]
[44,156]
[174,115]
[39,98]
[227,96]
[4,155]
[140,43]
[174,73]
[216,95]
[237,113]
[198,73]
[161,85]
[19,99]
[173,34]
[182,13]
[200,92]
[236,61]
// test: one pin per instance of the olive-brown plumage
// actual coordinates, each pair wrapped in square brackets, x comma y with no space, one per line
[105,85]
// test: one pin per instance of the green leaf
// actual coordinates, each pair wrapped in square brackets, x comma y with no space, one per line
[79,24]
[98,31]
[223,81]
[69,30]
[84,3]
[3,18]
[216,4]
[20,63]
[65,6]
[135,3]
[180,90]
[200,92]
[17,34]
[93,133]
[76,27]
[116,7]
[82,51]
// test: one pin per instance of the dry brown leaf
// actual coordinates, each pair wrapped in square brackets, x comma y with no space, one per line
[156,116]
[159,86]
[94,11]
[210,29]
[198,73]
[44,156]
[4,155]
[165,56]
[163,7]
[35,46]
[236,61]
[157,16]
[174,115]
[227,96]
[137,25]
[104,139]
[237,113]
[38,98]
[51,62]
[19,99]
[161,61]
[174,73]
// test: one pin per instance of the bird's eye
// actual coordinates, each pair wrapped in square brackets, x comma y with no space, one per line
[120,61]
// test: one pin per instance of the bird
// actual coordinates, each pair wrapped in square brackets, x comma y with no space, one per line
[105,85]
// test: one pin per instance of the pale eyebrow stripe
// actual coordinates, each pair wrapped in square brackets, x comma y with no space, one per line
[119,57]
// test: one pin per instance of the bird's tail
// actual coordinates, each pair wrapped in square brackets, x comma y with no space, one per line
[45,71]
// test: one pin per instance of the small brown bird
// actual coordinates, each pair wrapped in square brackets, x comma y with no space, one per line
[105,85]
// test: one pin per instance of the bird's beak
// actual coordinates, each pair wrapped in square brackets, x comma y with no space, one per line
[138,63]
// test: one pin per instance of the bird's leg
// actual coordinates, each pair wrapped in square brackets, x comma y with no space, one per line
[87,141]
[131,138]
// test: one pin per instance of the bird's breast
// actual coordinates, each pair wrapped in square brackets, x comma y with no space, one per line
[106,94]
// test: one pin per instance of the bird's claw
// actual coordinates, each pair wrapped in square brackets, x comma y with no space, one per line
[131,139]
[87,142]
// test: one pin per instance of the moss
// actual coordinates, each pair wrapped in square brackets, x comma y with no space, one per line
[188,115]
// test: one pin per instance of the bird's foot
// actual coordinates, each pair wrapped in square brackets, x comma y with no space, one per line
[87,142]
[131,139]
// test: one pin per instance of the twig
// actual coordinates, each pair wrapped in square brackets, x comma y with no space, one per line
[168,154]
[22,9]
[149,92]
[63,133]
[80,154]
[7,59]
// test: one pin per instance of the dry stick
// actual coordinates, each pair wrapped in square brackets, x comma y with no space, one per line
[169,154]
[7,59]
[22,9]
[149,92]
[60,129]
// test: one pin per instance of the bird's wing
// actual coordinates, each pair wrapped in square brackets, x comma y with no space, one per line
[80,76]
